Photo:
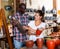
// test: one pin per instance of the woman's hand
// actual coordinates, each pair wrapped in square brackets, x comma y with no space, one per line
[26,27]
[31,31]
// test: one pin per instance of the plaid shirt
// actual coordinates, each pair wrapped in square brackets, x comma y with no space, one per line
[23,19]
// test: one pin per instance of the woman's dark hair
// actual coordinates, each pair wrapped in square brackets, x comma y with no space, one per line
[40,14]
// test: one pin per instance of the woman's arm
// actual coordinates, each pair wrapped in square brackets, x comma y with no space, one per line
[30,30]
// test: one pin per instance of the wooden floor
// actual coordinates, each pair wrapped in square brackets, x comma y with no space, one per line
[34,47]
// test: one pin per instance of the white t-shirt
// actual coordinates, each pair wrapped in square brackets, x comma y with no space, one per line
[32,25]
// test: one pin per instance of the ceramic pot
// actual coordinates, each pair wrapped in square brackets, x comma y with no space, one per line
[39,42]
[57,41]
[29,43]
[50,44]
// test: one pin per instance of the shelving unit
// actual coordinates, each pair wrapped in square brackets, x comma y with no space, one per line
[5,25]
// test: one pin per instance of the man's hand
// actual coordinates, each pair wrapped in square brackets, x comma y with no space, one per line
[26,27]
[15,22]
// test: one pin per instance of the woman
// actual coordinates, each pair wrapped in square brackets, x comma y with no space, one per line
[35,24]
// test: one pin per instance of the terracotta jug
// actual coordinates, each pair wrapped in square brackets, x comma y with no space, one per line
[39,43]
[57,41]
[50,44]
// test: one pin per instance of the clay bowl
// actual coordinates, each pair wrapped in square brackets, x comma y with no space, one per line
[29,43]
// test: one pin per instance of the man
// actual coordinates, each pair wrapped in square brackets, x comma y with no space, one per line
[23,20]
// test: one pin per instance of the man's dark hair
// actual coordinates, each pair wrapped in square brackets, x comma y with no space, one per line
[22,5]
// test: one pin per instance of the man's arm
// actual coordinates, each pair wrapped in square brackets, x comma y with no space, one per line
[18,25]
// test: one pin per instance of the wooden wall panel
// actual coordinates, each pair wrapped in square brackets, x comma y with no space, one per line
[0,4]
[54,4]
